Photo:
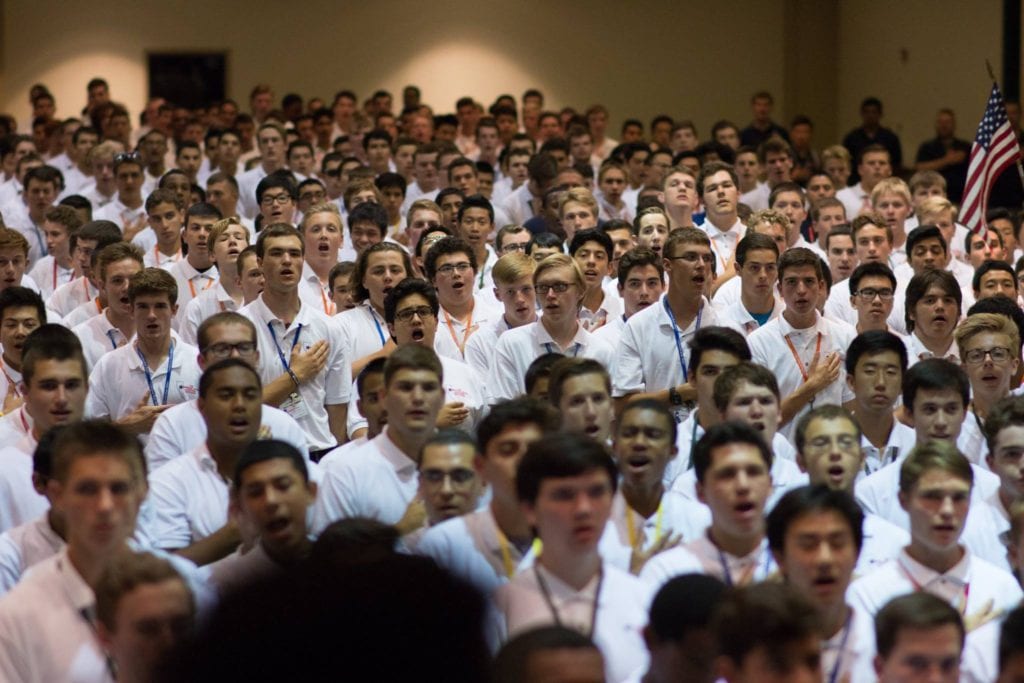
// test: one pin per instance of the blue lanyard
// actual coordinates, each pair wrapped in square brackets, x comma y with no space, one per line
[110,336]
[678,335]
[380,332]
[280,353]
[728,574]
[149,374]
[39,238]
[842,645]
[551,348]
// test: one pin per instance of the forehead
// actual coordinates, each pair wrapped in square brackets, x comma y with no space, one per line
[21,312]
[590,245]
[411,300]
[229,331]
[556,274]
[806,271]
[448,454]
[234,376]
[268,469]
[936,476]
[748,390]
[644,271]
[454,257]
[52,369]
[938,396]
[101,463]
[414,375]
[640,417]
[937,290]
[581,384]
[985,339]
[874,281]
[736,453]
[928,243]
[282,242]
[653,219]
[821,426]
[384,258]
[789,197]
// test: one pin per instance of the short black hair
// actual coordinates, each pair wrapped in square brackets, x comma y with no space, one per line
[540,368]
[871,269]
[512,663]
[684,604]
[987,267]
[516,411]
[19,297]
[1011,637]
[370,212]
[591,235]
[405,288]
[561,455]
[935,374]
[871,343]
[445,246]
[374,367]
[715,338]
[723,434]
[262,450]
[818,498]
[282,179]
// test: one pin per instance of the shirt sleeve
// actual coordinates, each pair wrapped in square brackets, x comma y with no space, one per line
[10,563]
[162,446]
[190,322]
[504,382]
[334,498]
[339,370]
[628,370]
[170,525]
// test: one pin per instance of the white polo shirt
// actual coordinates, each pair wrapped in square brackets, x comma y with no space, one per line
[611,309]
[329,387]
[98,336]
[118,381]
[247,183]
[44,635]
[190,500]
[723,242]
[82,313]
[479,349]
[376,481]
[181,428]
[452,333]
[621,612]
[314,293]
[769,347]
[972,581]
[67,298]
[917,351]
[518,348]
[650,355]
[26,546]
[675,515]
[209,302]
[901,441]
[190,284]
[855,199]
[152,256]
[736,316]
[8,376]
[120,214]
[883,541]
[19,502]
[16,425]
[49,275]
[363,331]
[879,492]
[729,293]
[239,570]
[701,556]
[849,654]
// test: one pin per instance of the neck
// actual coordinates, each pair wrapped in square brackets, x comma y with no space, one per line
[707,416]
[90,567]
[563,332]
[410,443]
[572,568]
[122,321]
[64,261]
[171,248]
[723,222]
[460,310]
[834,617]
[228,280]
[1007,499]
[737,546]
[981,404]
[684,305]
[510,520]
[800,321]
[321,269]
[866,327]
[226,457]
[512,325]
[939,346]
[643,497]
[680,216]
[155,350]
[284,304]
[155,170]
[57,524]
[593,298]
[200,263]
[940,561]
[758,305]
[270,165]
[15,363]
[131,201]
[875,424]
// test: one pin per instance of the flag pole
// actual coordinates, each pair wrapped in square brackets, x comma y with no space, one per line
[1020,168]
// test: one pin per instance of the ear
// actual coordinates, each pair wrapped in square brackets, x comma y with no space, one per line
[903,500]
[700,491]
[801,462]
[528,513]
[312,489]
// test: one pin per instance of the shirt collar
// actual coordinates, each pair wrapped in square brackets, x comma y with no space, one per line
[402,463]
[922,576]
[74,586]
[788,329]
[544,337]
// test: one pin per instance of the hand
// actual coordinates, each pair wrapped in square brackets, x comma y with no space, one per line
[688,391]
[638,558]
[452,414]
[133,228]
[415,516]
[822,373]
[11,401]
[141,419]
[308,364]
[986,614]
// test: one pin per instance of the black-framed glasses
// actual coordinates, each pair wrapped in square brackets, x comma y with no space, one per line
[556,287]
[224,349]
[449,268]
[406,314]
[868,294]
[999,354]
[693,257]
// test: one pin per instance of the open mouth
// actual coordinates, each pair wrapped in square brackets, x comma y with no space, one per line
[836,473]
[417,335]
[591,430]
[277,525]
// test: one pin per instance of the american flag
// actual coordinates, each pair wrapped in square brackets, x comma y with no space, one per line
[994,149]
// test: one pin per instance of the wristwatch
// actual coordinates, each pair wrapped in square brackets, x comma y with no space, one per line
[674,397]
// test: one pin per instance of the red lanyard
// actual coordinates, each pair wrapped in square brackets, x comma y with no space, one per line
[192,287]
[918,587]
[799,363]
[10,381]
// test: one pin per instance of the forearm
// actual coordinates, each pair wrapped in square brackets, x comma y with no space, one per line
[337,417]
[275,392]
[216,546]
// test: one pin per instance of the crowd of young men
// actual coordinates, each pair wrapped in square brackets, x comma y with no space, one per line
[677,411]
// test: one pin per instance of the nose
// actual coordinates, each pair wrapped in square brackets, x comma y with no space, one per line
[446,484]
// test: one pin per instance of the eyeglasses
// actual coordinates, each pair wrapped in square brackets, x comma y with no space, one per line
[513,246]
[820,444]
[333,173]
[449,268]
[868,295]
[556,287]
[406,314]
[313,196]
[693,257]
[279,199]
[999,354]
[459,476]
[223,349]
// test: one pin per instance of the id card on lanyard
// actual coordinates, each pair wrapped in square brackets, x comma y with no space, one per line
[293,405]
[149,375]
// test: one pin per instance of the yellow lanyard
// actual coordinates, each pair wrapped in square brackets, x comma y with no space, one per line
[506,553]
[636,535]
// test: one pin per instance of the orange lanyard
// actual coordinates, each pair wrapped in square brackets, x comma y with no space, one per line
[99,309]
[726,263]
[172,258]
[328,305]
[55,273]
[465,333]
[799,363]
[192,287]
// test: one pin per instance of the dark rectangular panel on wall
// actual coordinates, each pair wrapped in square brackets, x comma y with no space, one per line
[1011,49]
[188,79]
